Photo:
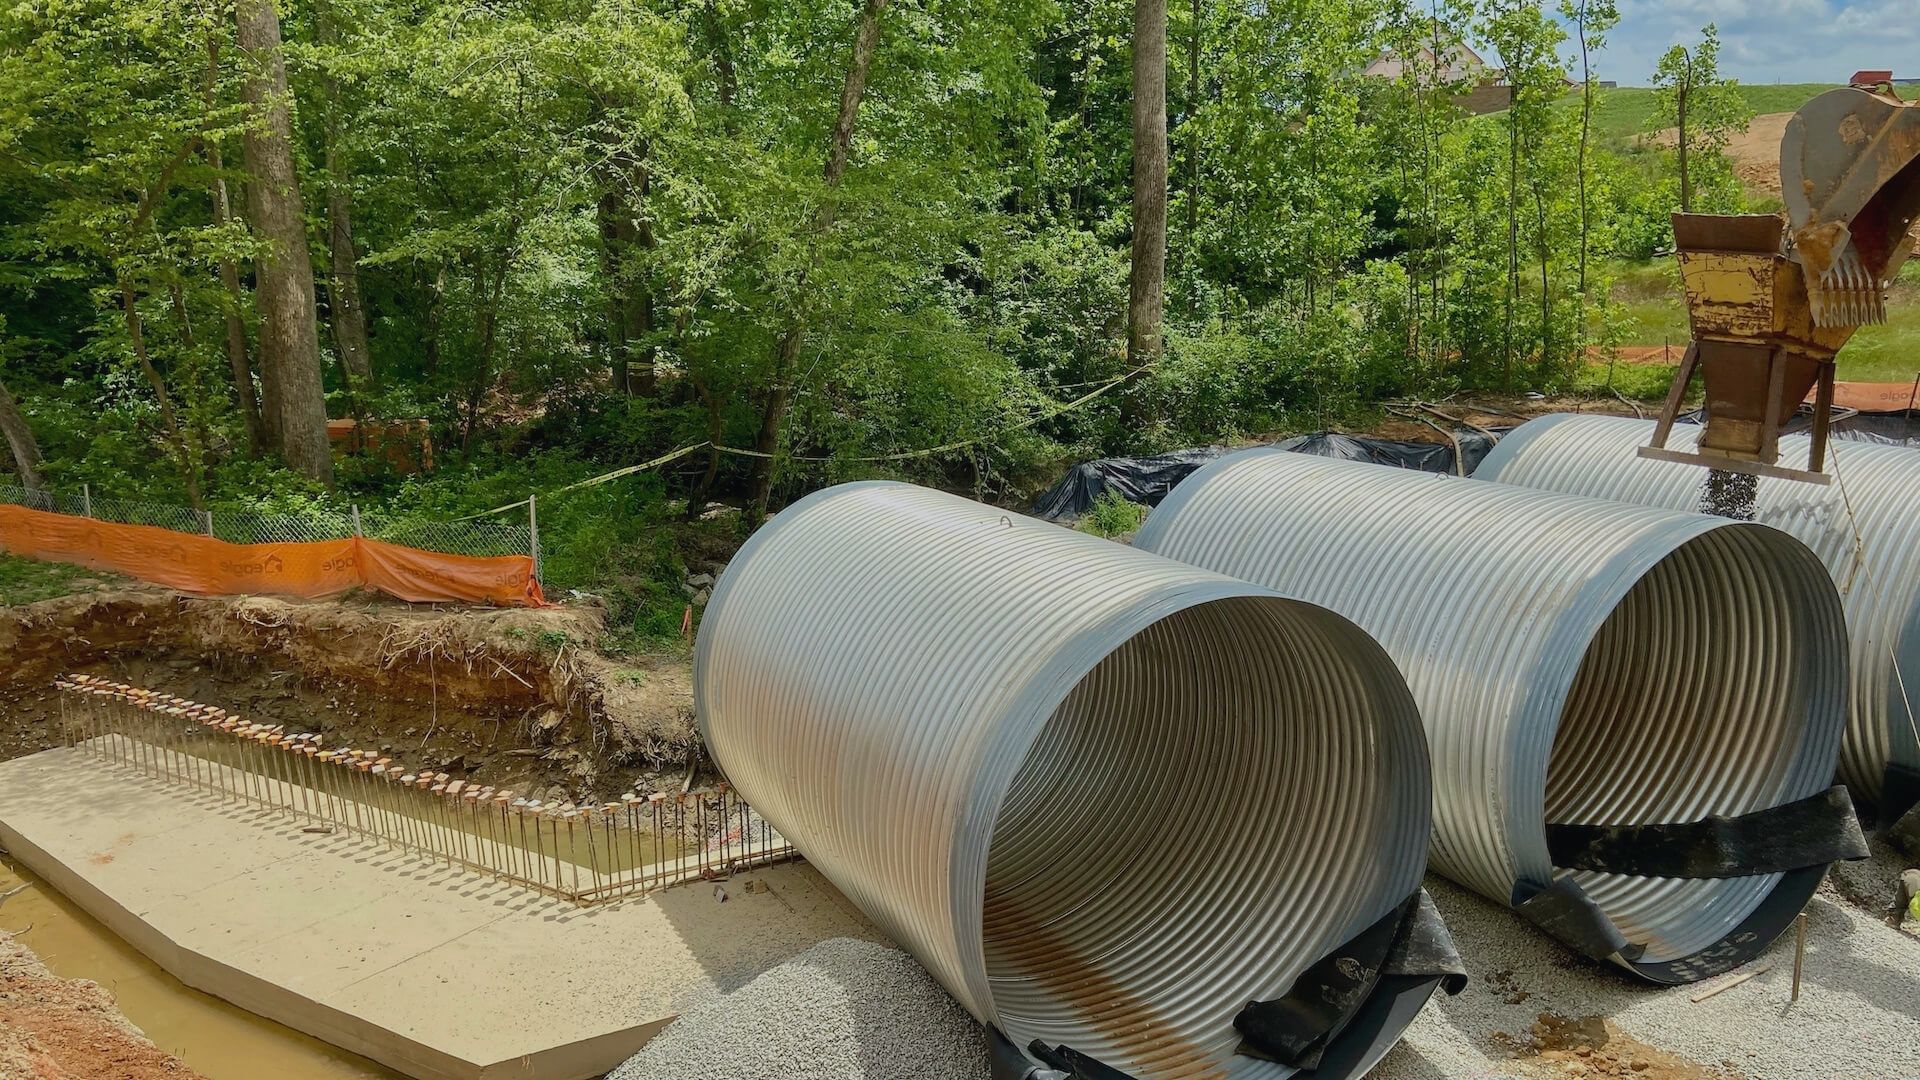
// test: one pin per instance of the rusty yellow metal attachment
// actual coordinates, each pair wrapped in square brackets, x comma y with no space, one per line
[1771,301]
[1850,179]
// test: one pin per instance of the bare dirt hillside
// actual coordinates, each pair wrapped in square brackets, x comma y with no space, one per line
[1755,152]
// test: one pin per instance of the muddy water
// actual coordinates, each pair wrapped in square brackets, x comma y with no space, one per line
[217,1040]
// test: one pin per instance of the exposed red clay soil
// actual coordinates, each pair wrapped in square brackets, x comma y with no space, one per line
[55,1029]
[1593,1046]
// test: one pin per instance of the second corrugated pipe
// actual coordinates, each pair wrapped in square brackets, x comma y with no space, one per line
[1627,707]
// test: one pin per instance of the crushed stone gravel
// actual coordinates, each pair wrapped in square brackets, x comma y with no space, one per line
[855,1010]
[1858,1015]
[842,1010]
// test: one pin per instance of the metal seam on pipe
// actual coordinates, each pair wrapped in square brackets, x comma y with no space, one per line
[1106,799]
[1879,580]
[1509,612]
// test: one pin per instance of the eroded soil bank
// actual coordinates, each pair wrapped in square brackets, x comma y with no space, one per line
[514,698]
[55,1029]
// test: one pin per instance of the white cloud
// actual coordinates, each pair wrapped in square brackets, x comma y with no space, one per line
[1764,41]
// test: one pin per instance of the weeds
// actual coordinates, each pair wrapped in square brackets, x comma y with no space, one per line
[1112,516]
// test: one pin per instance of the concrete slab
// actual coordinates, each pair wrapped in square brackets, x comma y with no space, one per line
[437,973]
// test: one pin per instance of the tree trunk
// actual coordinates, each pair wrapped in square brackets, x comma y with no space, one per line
[1146,278]
[726,82]
[866,40]
[344,311]
[1686,184]
[1513,234]
[349,318]
[624,232]
[236,329]
[26,450]
[289,338]
[608,211]
[1193,143]
[1580,172]
[716,431]
[169,420]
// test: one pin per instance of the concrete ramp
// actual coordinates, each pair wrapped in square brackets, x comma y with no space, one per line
[434,972]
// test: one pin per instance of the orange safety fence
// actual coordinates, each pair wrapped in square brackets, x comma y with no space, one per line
[210,567]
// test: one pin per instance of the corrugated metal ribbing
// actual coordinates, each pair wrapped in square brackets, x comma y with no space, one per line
[1105,798]
[1865,527]
[1576,661]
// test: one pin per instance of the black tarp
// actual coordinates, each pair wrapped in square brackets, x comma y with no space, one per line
[1144,480]
[1147,480]
[1887,428]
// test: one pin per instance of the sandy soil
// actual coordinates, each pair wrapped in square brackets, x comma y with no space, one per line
[55,1029]
[1755,152]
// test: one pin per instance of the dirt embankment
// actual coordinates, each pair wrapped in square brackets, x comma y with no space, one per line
[512,697]
[54,1029]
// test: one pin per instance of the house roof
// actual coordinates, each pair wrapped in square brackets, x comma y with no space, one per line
[1870,77]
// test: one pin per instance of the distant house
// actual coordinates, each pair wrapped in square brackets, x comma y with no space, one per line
[1461,64]
[1488,90]
[1870,77]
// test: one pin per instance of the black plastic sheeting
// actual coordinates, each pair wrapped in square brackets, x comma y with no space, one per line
[1887,429]
[1146,480]
[1796,841]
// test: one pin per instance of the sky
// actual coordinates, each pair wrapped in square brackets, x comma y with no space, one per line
[1767,41]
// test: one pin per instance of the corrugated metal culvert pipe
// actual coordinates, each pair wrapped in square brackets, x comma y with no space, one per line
[1577,662]
[1865,526]
[1106,799]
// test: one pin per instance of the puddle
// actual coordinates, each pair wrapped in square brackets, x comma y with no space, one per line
[217,1040]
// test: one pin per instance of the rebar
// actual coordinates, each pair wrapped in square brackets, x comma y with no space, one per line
[616,848]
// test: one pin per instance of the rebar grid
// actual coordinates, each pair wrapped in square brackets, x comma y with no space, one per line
[585,853]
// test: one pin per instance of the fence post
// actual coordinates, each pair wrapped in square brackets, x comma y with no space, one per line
[533,536]
[208,515]
[86,499]
[356,520]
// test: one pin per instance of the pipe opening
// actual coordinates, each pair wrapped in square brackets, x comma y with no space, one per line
[1693,699]
[1225,798]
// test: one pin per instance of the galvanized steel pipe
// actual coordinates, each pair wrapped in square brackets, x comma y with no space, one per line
[1576,661]
[1106,799]
[1865,526]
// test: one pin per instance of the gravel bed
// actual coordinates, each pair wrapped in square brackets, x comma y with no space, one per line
[854,1010]
[842,1010]
[1858,1016]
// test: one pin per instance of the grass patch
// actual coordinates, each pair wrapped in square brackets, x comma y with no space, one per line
[1622,113]
[1635,382]
[1652,308]
[1654,312]
[24,581]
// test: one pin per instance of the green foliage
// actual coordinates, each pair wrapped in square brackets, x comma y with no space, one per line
[543,192]
[1111,516]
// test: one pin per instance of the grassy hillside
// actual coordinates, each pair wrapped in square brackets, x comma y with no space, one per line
[1655,312]
[1622,113]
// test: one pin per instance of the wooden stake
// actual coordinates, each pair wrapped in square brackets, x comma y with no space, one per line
[1799,951]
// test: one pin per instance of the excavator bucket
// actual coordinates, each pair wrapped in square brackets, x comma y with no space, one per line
[1850,179]
[1772,302]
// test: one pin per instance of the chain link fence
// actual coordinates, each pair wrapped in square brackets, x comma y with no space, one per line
[478,537]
